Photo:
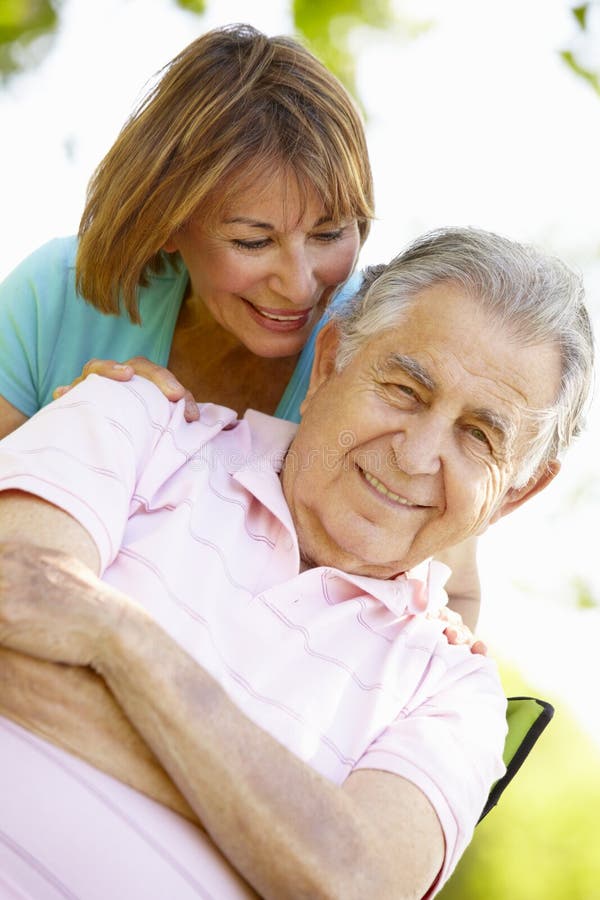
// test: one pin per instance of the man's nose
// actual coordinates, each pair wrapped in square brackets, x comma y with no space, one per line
[418,447]
[295,279]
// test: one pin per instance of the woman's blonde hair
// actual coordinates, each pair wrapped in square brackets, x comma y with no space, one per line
[233,105]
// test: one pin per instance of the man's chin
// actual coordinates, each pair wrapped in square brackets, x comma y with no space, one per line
[346,560]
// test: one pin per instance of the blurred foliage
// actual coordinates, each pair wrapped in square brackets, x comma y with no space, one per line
[327,27]
[24,24]
[195,6]
[585,597]
[585,44]
[541,841]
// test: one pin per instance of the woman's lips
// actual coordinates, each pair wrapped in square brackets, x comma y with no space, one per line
[279,319]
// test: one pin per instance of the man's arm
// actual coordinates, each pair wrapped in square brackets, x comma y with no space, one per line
[286,829]
[71,707]
[25,517]
[52,700]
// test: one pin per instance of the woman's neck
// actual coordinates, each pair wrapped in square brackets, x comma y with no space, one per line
[215,366]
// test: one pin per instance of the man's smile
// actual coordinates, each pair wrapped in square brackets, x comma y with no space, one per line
[386,492]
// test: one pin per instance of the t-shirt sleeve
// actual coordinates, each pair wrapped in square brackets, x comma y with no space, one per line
[450,746]
[102,450]
[32,300]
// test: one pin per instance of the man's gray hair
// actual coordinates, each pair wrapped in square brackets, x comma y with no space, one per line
[534,295]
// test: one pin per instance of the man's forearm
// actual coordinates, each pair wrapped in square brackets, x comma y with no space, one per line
[71,707]
[287,830]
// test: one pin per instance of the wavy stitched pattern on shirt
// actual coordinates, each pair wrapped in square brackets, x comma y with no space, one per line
[332,660]
[160,576]
[114,809]
[218,424]
[245,509]
[277,704]
[38,866]
[59,451]
[325,576]
[118,426]
[233,673]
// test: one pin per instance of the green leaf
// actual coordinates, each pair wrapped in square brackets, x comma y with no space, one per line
[193,6]
[584,596]
[591,77]
[328,25]
[22,24]
[580,13]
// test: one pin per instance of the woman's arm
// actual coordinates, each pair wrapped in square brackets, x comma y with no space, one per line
[463,586]
[10,417]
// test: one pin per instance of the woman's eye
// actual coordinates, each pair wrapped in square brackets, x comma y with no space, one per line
[251,245]
[327,236]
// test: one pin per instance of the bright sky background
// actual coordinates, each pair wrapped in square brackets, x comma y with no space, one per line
[476,121]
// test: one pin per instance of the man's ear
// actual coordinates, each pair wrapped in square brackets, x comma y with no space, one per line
[515,497]
[326,345]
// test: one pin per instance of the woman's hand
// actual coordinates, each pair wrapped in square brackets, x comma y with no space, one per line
[457,632]
[164,380]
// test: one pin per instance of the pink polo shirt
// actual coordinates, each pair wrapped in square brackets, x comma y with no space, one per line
[190,520]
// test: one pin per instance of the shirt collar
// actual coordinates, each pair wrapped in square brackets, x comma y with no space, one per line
[260,465]
[420,590]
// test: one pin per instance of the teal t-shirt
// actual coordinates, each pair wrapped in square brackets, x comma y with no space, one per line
[48,332]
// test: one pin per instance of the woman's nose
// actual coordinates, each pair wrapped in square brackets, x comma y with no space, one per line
[295,279]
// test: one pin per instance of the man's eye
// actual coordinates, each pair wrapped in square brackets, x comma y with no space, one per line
[479,435]
[405,389]
[251,245]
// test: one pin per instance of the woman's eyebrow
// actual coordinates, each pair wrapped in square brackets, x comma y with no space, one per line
[254,223]
[267,226]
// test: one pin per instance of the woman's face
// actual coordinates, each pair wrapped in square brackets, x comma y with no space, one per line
[268,267]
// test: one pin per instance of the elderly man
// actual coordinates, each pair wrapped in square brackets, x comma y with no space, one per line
[250,596]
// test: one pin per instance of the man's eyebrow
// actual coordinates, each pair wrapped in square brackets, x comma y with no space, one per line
[413,368]
[504,427]
[267,226]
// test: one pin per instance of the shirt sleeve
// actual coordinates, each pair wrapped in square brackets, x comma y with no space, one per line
[95,451]
[450,746]
[32,302]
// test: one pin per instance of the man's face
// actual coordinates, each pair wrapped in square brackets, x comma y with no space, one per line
[414,446]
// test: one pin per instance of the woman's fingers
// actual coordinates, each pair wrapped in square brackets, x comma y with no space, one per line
[164,380]
[106,367]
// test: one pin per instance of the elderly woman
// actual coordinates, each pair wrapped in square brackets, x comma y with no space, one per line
[248,595]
